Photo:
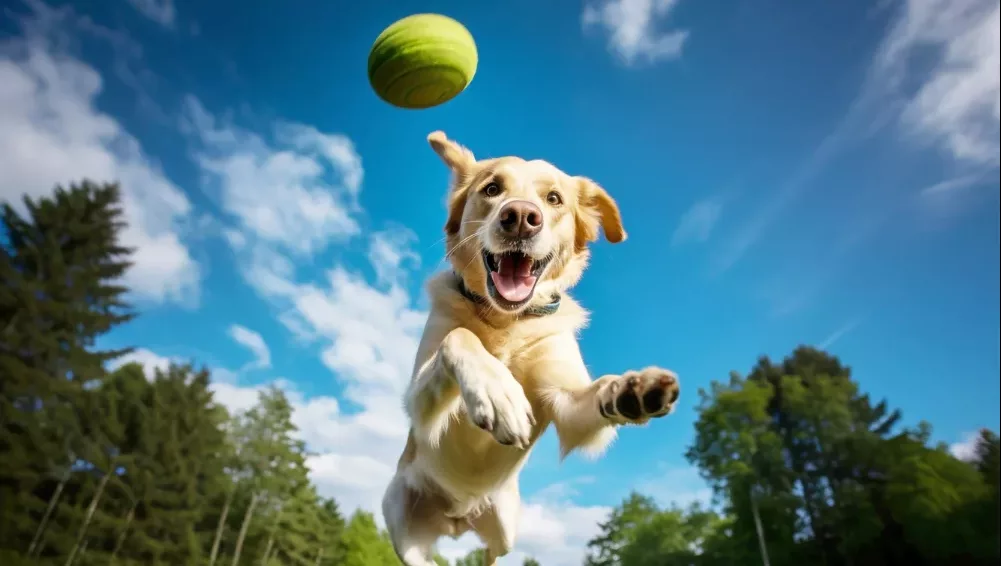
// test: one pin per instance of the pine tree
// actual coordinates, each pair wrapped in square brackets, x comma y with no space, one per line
[186,429]
[61,265]
[363,544]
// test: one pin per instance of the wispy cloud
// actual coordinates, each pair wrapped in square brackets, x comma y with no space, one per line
[160,11]
[956,103]
[838,334]
[954,184]
[254,342]
[697,223]
[631,27]
[951,105]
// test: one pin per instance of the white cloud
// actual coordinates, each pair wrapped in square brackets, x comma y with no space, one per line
[390,254]
[631,27]
[51,132]
[160,11]
[281,193]
[697,223]
[966,449]
[150,361]
[288,208]
[955,103]
[253,342]
[236,398]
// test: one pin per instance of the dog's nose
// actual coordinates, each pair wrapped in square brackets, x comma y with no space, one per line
[521,219]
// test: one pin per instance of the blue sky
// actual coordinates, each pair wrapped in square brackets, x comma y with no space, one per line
[821,173]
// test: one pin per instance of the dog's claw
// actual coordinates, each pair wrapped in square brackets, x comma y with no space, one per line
[498,405]
[485,424]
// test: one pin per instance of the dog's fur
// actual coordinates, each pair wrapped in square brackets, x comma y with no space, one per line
[490,378]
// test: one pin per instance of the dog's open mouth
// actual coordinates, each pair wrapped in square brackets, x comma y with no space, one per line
[513,276]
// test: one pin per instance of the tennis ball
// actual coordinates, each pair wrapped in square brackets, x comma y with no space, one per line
[422,61]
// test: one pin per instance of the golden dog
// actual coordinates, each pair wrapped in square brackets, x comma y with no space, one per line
[498,361]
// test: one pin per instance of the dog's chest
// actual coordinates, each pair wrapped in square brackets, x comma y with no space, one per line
[514,349]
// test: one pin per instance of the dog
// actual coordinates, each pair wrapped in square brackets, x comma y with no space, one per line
[498,361]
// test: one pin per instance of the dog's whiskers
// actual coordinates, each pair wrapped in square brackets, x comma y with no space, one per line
[461,243]
[445,237]
[479,251]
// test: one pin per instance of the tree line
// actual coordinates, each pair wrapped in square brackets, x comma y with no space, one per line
[128,466]
[132,467]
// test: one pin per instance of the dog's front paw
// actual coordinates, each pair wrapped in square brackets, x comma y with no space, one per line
[638,396]
[498,405]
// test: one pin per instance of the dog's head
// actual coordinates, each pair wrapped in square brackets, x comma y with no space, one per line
[517,231]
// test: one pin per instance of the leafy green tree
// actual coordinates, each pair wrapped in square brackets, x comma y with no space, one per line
[274,463]
[797,448]
[475,558]
[617,532]
[363,545]
[531,562]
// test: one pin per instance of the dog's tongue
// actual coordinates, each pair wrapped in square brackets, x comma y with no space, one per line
[513,278]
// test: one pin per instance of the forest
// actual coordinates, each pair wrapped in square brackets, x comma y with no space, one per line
[102,463]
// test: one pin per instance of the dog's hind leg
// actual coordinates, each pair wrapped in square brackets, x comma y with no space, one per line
[415,521]
[497,527]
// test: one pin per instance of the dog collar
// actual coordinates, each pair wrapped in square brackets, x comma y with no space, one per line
[536,310]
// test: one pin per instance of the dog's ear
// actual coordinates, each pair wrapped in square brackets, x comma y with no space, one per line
[456,207]
[597,208]
[458,158]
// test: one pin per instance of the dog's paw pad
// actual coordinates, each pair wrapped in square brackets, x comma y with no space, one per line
[638,396]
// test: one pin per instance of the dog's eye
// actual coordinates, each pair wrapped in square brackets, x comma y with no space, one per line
[492,190]
[554,198]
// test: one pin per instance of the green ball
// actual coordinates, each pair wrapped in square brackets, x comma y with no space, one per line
[422,61]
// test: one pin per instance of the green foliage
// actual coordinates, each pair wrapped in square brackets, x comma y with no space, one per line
[474,558]
[121,467]
[822,467]
[363,545]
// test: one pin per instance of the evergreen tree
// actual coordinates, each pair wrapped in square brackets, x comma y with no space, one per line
[185,458]
[363,545]
[61,265]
